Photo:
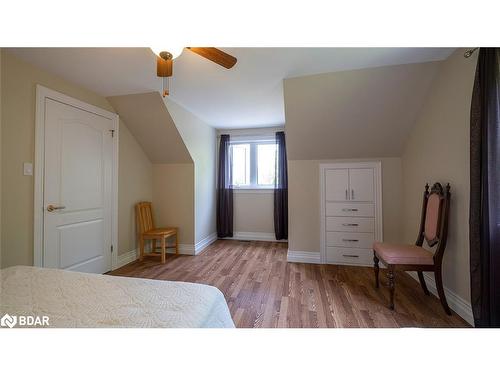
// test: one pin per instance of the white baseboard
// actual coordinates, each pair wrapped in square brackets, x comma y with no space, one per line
[184,249]
[126,258]
[190,249]
[456,303]
[303,257]
[201,245]
[254,236]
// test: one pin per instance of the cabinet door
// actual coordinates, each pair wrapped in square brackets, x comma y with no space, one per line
[361,183]
[337,184]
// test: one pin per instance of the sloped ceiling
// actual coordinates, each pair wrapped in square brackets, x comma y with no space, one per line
[354,114]
[150,123]
[248,95]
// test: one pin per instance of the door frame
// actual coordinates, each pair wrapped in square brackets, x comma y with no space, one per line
[377,169]
[43,93]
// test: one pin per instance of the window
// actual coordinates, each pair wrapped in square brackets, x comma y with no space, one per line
[266,168]
[253,164]
[240,156]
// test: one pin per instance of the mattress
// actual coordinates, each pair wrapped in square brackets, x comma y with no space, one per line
[74,299]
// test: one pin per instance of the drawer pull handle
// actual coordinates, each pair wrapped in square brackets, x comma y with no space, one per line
[350,209]
[349,240]
[350,256]
[349,225]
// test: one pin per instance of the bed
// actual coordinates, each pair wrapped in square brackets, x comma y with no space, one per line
[74,299]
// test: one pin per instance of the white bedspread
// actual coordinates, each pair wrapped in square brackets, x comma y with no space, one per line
[73,299]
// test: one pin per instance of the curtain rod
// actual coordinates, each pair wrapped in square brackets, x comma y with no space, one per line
[235,133]
[250,136]
[469,52]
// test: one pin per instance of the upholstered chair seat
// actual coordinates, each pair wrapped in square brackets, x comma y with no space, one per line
[402,254]
[434,230]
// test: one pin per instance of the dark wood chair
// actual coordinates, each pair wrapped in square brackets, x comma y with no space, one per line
[434,229]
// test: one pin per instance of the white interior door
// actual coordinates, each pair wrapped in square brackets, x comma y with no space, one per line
[361,183]
[336,184]
[77,194]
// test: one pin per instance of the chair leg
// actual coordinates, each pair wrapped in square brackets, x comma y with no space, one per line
[422,283]
[153,246]
[163,250]
[390,277]
[439,286]
[141,248]
[176,243]
[376,268]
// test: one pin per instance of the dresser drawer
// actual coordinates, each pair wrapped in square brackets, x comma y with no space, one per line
[350,224]
[350,256]
[350,209]
[346,239]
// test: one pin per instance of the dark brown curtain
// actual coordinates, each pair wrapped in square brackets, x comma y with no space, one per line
[484,219]
[281,190]
[224,191]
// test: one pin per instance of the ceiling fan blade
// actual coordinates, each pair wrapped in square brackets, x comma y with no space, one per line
[164,67]
[216,55]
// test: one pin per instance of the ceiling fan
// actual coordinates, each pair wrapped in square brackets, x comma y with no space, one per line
[165,61]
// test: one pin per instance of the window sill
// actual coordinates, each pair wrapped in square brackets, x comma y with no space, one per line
[253,190]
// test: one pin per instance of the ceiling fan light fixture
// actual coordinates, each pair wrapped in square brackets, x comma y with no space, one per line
[165,61]
[163,52]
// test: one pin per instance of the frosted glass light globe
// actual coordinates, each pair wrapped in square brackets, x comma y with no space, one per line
[175,51]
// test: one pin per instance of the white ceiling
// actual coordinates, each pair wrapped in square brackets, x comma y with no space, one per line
[248,95]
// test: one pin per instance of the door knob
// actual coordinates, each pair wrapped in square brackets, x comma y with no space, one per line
[51,207]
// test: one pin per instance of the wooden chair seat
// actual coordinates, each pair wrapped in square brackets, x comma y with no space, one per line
[147,231]
[160,232]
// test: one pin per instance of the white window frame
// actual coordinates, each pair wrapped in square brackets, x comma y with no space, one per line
[253,142]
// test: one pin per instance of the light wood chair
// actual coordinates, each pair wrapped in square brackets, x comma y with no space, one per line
[147,231]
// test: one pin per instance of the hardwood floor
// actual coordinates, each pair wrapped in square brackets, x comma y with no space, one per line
[263,290]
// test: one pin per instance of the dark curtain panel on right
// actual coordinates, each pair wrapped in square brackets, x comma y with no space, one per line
[224,190]
[484,219]
[281,190]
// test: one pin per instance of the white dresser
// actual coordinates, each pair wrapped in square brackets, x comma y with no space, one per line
[351,212]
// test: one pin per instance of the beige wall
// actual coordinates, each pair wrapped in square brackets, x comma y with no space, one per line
[152,126]
[358,115]
[172,168]
[304,201]
[200,139]
[18,139]
[135,182]
[438,150]
[178,143]
[173,193]
[366,113]
[253,211]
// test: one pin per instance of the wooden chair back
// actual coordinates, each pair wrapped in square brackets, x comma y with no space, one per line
[434,219]
[144,215]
